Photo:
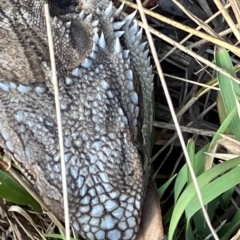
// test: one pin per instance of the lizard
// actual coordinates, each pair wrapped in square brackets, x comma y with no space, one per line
[105,87]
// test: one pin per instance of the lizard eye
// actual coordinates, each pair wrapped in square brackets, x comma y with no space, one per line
[60,7]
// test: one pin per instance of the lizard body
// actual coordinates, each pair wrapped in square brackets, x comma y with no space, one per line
[105,85]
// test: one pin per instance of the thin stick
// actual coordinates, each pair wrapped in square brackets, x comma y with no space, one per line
[164,85]
[59,123]
[187,129]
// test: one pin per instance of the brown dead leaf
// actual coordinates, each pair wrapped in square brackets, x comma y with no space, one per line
[237,236]
[231,144]
[151,227]
[209,158]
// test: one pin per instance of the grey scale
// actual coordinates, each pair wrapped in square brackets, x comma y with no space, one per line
[105,83]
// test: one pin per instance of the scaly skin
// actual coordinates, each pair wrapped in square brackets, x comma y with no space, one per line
[105,85]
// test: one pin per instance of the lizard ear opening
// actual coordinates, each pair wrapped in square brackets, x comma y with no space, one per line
[80,36]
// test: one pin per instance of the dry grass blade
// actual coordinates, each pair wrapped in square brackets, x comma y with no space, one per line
[172,139]
[236,10]
[198,21]
[59,124]
[190,35]
[16,232]
[209,87]
[33,194]
[184,129]
[191,53]
[223,156]
[231,144]
[19,210]
[210,156]
[228,19]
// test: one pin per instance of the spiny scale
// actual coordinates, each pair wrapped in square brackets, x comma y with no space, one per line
[105,84]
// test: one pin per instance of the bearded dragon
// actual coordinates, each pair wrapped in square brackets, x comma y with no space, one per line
[105,86]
